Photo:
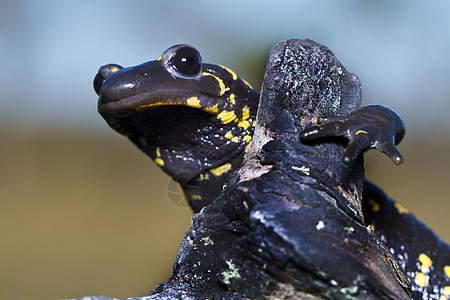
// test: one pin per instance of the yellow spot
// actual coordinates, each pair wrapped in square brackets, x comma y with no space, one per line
[226,116]
[222,87]
[195,197]
[158,152]
[218,171]
[254,123]
[235,139]
[159,161]
[245,112]
[401,209]
[247,148]
[447,271]
[229,135]
[114,69]
[247,138]
[375,206]
[372,227]
[421,279]
[249,85]
[442,297]
[230,71]
[232,99]
[360,131]
[212,109]
[426,262]
[159,58]
[447,290]
[244,124]
[193,102]
[204,176]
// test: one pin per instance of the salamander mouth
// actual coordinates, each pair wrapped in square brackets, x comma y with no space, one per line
[143,101]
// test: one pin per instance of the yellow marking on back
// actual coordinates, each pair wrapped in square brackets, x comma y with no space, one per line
[229,135]
[226,116]
[193,102]
[447,271]
[232,99]
[361,131]
[372,227]
[244,124]
[159,161]
[159,58]
[401,209]
[230,71]
[222,87]
[247,148]
[158,152]
[442,297]
[247,138]
[212,110]
[195,197]
[426,262]
[204,176]
[245,113]
[421,280]
[254,123]
[220,170]
[446,291]
[235,139]
[375,205]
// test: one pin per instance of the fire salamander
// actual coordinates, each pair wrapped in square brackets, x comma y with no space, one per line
[196,121]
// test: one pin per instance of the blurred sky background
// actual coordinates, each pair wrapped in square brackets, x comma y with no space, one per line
[63,169]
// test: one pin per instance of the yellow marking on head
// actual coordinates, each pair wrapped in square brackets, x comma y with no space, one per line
[226,116]
[222,87]
[245,112]
[361,131]
[249,85]
[446,290]
[421,280]
[230,71]
[158,152]
[232,99]
[401,209]
[159,161]
[157,104]
[114,69]
[195,197]
[193,102]
[159,58]
[447,271]
[244,124]
[229,135]
[235,139]
[212,110]
[426,262]
[247,138]
[375,205]
[220,170]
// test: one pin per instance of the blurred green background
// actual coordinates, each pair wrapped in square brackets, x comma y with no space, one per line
[83,212]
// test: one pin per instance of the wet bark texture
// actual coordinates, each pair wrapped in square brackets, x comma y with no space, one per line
[288,224]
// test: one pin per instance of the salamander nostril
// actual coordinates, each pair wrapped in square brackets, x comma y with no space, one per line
[103,73]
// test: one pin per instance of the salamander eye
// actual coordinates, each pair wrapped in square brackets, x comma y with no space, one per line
[187,61]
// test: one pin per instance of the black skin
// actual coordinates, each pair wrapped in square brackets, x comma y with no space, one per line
[196,120]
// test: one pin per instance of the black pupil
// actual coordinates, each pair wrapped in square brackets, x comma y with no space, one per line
[187,61]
